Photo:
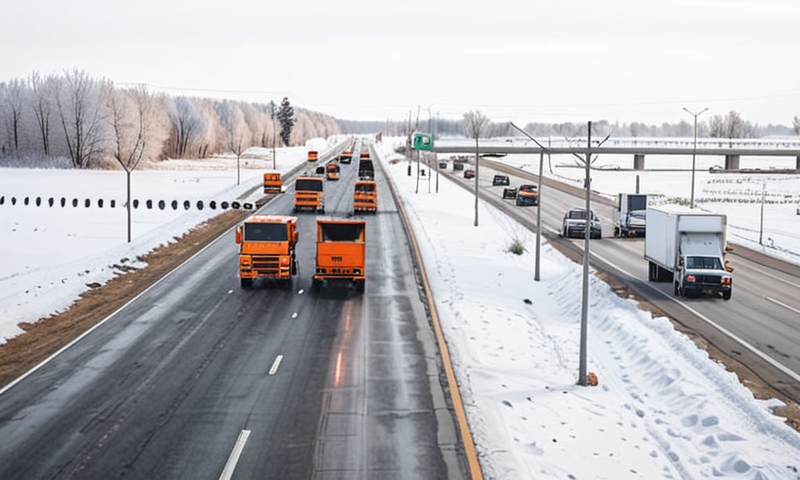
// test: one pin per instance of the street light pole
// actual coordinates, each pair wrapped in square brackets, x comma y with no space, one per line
[694,150]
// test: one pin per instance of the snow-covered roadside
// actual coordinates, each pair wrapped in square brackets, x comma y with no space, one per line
[663,408]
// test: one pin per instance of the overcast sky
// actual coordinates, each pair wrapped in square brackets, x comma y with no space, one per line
[566,60]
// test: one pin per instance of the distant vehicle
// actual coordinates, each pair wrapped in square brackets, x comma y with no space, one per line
[527,195]
[267,249]
[500,180]
[366,170]
[313,155]
[574,224]
[308,194]
[629,216]
[346,156]
[332,171]
[469,173]
[458,166]
[442,165]
[365,196]
[510,192]
[687,247]
[272,182]
[341,253]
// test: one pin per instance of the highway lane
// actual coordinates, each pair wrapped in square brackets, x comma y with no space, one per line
[764,311]
[198,374]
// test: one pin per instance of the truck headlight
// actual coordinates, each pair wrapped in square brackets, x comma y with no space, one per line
[690,278]
[726,280]
[356,271]
[285,261]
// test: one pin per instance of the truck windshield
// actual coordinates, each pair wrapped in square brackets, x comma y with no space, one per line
[637,202]
[308,185]
[341,232]
[703,263]
[365,187]
[265,232]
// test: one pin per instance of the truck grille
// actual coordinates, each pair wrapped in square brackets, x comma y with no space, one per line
[266,264]
[708,279]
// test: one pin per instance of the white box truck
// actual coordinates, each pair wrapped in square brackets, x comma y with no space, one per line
[687,247]
[629,217]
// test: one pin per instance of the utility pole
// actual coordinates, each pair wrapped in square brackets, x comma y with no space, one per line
[274,130]
[582,380]
[694,150]
[761,228]
[536,276]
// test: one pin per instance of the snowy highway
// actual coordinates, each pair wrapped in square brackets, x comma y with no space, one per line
[757,327]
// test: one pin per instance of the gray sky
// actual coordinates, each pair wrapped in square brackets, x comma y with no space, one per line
[559,60]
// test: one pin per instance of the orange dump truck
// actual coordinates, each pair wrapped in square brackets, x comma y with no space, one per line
[272,182]
[313,155]
[341,253]
[267,244]
[308,194]
[332,171]
[365,196]
[346,156]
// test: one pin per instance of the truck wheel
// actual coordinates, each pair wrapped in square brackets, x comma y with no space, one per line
[316,284]
[726,295]
[360,286]
[677,289]
[616,232]
[247,282]
[294,266]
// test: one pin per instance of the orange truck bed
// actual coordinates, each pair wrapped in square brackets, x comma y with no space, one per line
[308,194]
[341,253]
[272,182]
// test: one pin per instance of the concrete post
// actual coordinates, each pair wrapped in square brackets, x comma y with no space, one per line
[797,164]
[638,161]
[731,162]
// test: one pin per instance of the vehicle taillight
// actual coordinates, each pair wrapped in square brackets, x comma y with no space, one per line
[285,261]
[690,278]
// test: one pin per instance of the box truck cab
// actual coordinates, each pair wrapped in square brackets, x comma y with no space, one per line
[630,214]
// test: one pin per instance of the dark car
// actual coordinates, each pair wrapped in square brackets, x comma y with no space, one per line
[574,224]
[469,173]
[510,192]
[500,180]
[527,195]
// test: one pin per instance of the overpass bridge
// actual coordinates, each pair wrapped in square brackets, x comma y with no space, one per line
[731,151]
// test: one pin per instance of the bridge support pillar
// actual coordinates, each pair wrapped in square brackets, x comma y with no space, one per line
[731,162]
[797,164]
[638,161]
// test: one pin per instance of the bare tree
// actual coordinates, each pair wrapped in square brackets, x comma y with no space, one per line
[187,121]
[79,109]
[237,134]
[43,91]
[734,126]
[11,96]
[716,126]
[796,124]
[475,124]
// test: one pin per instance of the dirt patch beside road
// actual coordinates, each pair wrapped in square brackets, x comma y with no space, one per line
[45,337]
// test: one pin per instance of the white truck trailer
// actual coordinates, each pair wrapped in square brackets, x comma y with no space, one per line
[687,247]
[629,216]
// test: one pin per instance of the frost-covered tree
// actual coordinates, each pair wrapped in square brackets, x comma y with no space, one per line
[235,130]
[79,105]
[286,119]
[43,92]
[12,98]
[796,124]
[187,125]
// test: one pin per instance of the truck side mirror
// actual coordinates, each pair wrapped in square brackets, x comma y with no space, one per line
[239,234]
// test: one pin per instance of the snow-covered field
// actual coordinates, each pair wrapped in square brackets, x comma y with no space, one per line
[663,409]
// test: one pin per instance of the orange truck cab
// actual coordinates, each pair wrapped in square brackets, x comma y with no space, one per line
[346,156]
[332,171]
[365,196]
[272,182]
[267,249]
[313,155]
[341,253]
[308,194]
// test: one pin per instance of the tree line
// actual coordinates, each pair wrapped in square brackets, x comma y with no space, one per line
[93,123]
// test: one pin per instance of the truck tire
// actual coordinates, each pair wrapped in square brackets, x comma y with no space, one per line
[726,295]
[616,232]
[247,282]
[676,289]
[360,286]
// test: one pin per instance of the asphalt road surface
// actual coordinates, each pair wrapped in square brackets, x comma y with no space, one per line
[198,378]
